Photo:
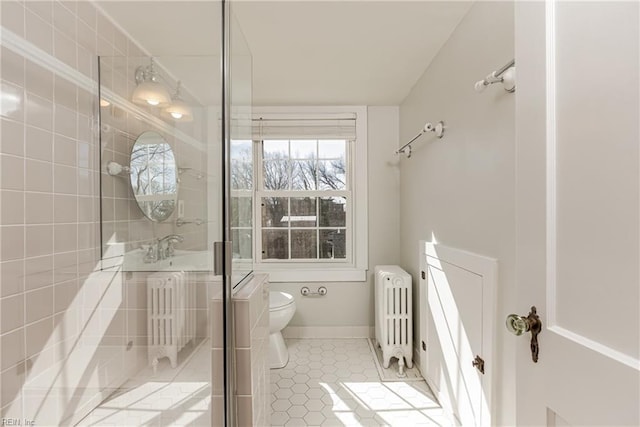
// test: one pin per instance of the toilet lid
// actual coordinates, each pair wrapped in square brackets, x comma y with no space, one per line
[279,299]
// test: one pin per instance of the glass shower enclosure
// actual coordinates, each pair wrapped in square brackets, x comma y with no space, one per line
[171,148]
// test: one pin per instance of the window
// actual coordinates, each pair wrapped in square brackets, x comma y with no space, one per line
[242,199]
[310,196]
[305,199]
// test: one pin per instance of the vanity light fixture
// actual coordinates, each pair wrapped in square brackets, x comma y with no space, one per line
[178,109]
[149,91]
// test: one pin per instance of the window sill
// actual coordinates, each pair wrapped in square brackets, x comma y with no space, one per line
[314,275]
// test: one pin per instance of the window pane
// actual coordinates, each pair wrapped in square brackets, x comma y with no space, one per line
[241,211]
[274,150]
[241,150]
[241,175]
[333,211]
[303,174]
[242,242]
[333,244]
[303,149]
[303,244]
[275,212]
[303,212]
[276,174]
[275,244]
[331,149]
[332,175]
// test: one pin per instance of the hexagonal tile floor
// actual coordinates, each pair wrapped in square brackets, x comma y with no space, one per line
[334,382]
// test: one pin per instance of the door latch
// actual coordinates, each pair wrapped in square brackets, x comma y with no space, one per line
[518,325]
[478,363]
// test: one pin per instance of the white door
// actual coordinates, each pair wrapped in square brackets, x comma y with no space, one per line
[578,222]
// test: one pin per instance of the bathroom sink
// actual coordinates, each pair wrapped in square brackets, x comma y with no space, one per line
[180,261]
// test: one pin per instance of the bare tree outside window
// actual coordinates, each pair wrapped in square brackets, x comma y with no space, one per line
[242,198]
[308,217]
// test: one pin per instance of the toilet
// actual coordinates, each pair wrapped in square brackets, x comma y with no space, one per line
[282,306]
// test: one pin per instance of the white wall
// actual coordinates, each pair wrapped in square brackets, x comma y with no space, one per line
[350,304]
[460,189]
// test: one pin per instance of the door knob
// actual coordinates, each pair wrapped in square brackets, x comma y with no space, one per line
[518,325]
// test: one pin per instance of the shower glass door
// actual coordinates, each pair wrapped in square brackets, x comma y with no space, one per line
[174,179]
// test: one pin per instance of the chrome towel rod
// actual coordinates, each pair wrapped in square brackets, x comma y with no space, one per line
[505,75]
[428,127]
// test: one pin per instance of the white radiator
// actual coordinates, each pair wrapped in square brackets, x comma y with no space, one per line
[171,303]
[394,315]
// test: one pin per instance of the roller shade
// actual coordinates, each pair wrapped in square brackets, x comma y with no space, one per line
[337,126]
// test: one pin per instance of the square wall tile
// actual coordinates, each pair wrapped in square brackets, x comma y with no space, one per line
[39,111]
[242,323]
[38,80]
[11,172]
[105,28]
[12,347]
[37,30]
[65,93]
[12,242]
[65,267]
[41,8]
[11,207]
[12,137]
[64,20]
[243,371]
[12,16]
[65,48]
[86,209]
[65,209]
[38,335]
[39,144]
[38,240]
[65,179]
[87,37]
[12,315]
[66,121]
[12,103]
[64,295]
[38,272]
[87,13]
[11,277]
[12,66]
[66,237]
[11,382]
[65,150]
[39,208]
[245,410]
[39,176]
[39,304]
[87,63]
[86,182]
[88,236]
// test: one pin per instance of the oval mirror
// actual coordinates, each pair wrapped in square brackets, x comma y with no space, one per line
[154,174]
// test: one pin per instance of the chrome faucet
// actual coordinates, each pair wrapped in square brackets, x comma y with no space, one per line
[164,253]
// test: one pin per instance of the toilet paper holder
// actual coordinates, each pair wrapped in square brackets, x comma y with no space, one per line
[306,292]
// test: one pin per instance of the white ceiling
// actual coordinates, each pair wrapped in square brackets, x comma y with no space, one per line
[304,52]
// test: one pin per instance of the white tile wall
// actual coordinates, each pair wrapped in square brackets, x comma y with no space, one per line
[251,326]
[64,326]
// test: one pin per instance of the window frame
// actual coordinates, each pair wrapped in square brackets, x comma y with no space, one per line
[354,267]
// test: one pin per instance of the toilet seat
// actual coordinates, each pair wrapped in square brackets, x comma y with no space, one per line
[279,300]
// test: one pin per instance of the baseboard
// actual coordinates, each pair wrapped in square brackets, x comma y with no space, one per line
[328,332]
